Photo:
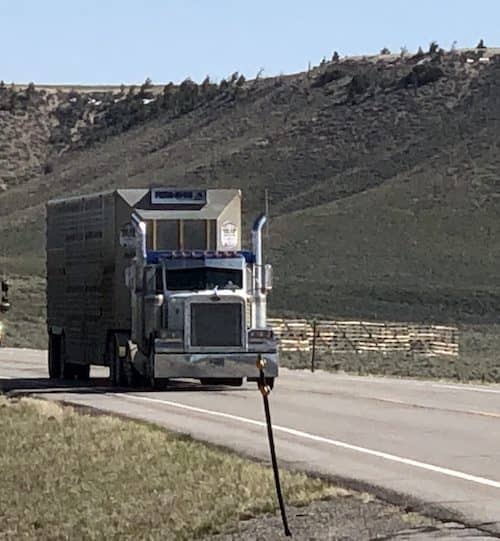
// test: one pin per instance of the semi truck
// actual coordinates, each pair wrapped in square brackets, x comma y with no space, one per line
[154,284]
[4,305]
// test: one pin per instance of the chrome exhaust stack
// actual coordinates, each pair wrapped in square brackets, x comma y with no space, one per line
[260,316]
[140,232]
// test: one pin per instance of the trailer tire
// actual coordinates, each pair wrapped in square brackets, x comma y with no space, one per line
[68,370]
[82,371]
[55,355]
[116,370]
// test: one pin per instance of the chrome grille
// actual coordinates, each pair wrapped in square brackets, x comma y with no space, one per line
[216,324]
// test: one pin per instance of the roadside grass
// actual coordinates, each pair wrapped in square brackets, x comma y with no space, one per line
[67,475]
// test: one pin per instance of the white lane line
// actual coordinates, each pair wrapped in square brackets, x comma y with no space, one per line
[466,388]
[434,408]
[403,382]
[320,439]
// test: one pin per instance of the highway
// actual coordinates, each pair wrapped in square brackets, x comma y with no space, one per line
[437,443]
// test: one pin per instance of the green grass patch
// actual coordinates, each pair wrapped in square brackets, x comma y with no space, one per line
[67,475]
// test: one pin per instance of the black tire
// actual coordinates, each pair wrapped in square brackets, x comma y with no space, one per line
[82,372]
[67,370]
[131,377]
[57,365]
[117,371]
[75,371]
[55,355]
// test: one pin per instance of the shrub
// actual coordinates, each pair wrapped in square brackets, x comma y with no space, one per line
[419,54]
[146,86]
[329,75]
[433,47]
[421,75]
[359,84]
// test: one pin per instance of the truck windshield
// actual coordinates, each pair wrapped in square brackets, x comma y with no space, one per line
[204,278]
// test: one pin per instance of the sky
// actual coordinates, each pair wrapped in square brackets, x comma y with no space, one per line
[126,41]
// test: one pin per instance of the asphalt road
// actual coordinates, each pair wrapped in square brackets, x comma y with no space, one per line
[436,442]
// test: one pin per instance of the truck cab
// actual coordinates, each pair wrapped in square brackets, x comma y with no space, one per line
[201,313]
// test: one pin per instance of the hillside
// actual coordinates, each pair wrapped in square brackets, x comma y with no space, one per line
[382,174]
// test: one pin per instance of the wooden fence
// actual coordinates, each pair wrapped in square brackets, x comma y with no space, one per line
[359,336]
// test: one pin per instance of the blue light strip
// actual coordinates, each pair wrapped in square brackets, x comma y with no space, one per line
[155,256]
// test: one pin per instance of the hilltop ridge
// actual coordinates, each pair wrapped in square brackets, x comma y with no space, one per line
[382,174]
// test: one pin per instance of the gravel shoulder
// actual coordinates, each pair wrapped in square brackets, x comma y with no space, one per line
[352,517]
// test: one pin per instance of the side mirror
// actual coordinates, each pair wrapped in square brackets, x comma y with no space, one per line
[4,305]
[268,278]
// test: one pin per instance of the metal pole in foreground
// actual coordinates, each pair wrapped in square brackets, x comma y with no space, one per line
[313,355]
[265,390]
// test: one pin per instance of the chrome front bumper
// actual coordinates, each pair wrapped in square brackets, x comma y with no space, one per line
[213,365]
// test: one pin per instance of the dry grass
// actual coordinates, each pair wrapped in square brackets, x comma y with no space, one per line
[66,475]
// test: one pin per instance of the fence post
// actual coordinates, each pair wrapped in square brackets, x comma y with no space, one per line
[313,352]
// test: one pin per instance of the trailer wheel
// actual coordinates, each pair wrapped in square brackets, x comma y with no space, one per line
[82,371]
[67,370]
[55,357]
[116,369]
